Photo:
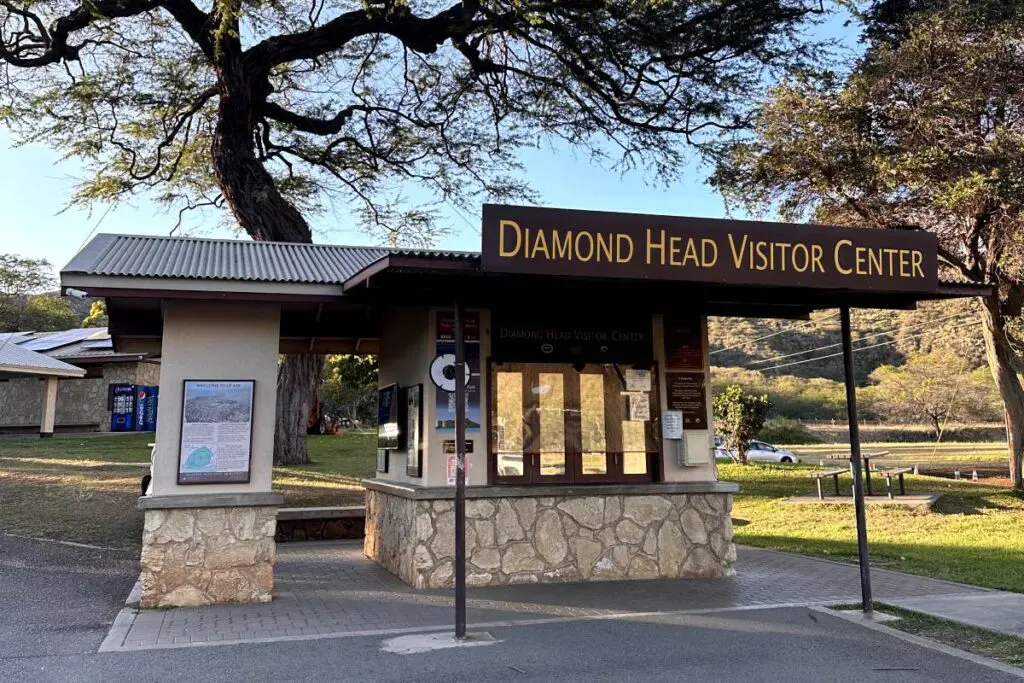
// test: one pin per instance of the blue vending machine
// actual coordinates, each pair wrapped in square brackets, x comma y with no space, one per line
[122,407]
[146,398]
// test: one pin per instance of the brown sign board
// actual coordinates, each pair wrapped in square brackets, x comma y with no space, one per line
[532,240]
[686,393]
[684,348]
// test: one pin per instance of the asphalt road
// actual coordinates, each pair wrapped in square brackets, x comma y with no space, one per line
[58,599]
[56,604]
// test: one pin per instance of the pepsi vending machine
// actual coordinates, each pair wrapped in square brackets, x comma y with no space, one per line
[122,407]
[145,408]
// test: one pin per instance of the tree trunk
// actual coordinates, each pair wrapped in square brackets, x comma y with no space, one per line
[937,426]
[264,213]
[298,379]
[1000,357]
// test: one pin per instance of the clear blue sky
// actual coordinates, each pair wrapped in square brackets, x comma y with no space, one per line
[35,185]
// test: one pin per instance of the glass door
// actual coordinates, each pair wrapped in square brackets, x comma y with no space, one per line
[553,423]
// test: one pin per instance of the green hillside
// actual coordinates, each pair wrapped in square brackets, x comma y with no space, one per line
[784,347]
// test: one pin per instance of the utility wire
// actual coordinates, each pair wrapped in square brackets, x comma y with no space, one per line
[865,348]
[792,328]
[858,339]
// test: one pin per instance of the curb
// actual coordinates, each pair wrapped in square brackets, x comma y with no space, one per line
[119,630]
[925,642]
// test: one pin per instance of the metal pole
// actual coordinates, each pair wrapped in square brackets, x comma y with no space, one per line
[855,464]
[460,476]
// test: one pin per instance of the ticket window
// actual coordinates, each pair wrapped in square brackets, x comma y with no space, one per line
[555,423]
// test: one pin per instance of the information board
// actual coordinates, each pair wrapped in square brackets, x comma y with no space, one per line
[686,393]
[216,432]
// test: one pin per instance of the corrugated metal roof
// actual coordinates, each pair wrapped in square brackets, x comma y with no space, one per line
[206,259]
[19,360]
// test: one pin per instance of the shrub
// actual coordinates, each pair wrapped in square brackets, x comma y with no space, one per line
[787,431]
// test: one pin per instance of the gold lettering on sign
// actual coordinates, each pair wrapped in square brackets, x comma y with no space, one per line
[540,243]
[709,252]
[660,246]
[590,246]
[619,251]
[561,248]
[604,247]
[835,254]
[502,225]
[737,254]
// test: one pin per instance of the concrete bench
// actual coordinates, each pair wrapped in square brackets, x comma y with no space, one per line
[320,523]
[894,472]
[821,474]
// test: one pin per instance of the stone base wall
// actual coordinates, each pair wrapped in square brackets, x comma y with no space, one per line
[553,539]
[207,556]
[330,529]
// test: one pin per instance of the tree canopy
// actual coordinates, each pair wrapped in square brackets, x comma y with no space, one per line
[25,304]
[739,416]
[304,104]
[925,133]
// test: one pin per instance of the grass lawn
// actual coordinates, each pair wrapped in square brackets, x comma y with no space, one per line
[990,453]
[1005,648]
[85,489]
[972,535]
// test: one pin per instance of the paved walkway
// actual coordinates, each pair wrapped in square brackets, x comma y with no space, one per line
[996,611]
[331,590]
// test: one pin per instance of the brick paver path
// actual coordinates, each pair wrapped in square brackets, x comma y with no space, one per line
[331,589]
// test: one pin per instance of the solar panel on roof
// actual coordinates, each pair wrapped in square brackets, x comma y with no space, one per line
[56,340]
[93,345]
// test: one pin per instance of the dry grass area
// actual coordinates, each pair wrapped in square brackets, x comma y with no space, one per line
[85,489]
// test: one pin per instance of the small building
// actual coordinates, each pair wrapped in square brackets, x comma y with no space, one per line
[20,364]
[589,431]
[84,404]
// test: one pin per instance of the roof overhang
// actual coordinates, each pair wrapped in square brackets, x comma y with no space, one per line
[196,288]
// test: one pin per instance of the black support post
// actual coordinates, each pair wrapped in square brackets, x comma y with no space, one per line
[855,463]
[460,476]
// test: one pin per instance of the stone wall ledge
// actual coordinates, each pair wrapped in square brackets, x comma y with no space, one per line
[210,500]
[340,512]
[473,492]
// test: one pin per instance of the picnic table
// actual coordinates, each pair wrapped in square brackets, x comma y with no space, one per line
[866,457]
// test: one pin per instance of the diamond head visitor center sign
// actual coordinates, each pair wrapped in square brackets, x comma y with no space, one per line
[538,241]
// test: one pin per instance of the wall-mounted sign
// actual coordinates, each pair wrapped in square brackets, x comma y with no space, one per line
[637,379]
[686,393]
[216,432]
[560,242]
[684,348]
[452,464]
[448,447]
[388,410]
[413,400]
[529,336]
[671,424]
[444,402]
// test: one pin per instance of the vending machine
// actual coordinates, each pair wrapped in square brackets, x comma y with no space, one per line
[122,407]
[145,408]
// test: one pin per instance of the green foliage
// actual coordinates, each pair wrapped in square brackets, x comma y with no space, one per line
[953,325]
[24,303]
[934,387]
[349,388]
[791,397]
[97,315]
[783,430]
[738,418]
[368,108]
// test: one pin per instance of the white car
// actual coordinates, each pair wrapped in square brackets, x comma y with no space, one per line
[759,452]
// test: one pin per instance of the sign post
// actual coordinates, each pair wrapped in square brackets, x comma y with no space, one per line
[460,477]
[858,487]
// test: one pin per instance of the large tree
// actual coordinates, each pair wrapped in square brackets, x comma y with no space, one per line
[935,387]
[925,133]
[276,109]
[27,302]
